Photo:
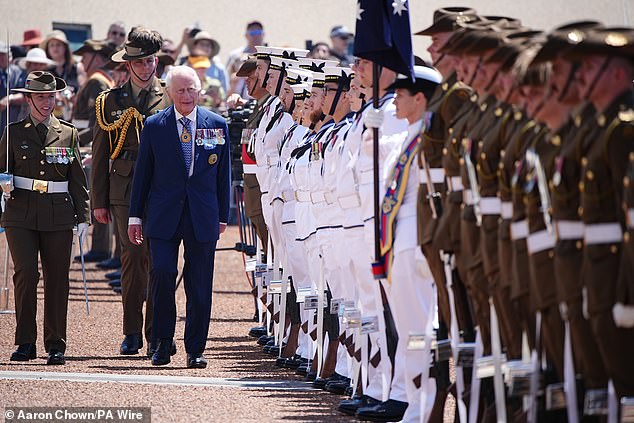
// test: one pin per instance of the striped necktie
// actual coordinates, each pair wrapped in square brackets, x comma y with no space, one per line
[186,142]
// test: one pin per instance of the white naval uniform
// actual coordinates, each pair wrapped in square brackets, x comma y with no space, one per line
[296,260]
[376,381]
[330,232]
[412,293]
[304,226]
[269,135]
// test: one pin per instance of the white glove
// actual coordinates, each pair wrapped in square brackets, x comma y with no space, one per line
[563,311]
[82,230]
[623,315]
[373,118]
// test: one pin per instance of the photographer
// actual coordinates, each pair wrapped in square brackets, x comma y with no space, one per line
[252,194]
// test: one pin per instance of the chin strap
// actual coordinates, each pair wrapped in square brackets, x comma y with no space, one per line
[571,77]
[475,72]
[141,79]
[342,85]
[280,80]
[593,85]
[266,74]
[492,81]
[292,108]
[36,108]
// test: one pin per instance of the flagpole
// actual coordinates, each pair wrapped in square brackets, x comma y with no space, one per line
[375,131]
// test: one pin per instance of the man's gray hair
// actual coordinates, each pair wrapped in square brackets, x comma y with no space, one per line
[185,71]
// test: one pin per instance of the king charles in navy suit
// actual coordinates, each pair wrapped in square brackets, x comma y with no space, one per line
[180,192]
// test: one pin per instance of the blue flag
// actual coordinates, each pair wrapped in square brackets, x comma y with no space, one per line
[383,34]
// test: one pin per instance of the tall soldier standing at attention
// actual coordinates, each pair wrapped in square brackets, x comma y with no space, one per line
[48,199]
[120,116]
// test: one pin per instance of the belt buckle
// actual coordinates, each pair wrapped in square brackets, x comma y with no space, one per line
[40,186]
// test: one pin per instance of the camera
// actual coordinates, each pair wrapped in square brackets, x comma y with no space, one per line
[237,121]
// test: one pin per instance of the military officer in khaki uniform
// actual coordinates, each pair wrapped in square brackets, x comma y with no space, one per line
[446,102]
[120,116]
[49,198]
[252,194]
[606,75]
[95,54]
[564,199]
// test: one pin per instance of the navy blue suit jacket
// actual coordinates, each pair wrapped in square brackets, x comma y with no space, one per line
[161,184]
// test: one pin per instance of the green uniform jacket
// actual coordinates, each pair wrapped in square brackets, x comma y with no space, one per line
[28,158]
[111,182]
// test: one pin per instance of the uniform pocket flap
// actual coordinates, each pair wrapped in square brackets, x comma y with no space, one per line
[122,167]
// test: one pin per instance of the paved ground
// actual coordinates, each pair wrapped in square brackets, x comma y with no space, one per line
[240,383]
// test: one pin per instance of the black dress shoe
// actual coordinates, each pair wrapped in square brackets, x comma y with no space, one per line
[116,290]
[337,384]
[303,369]
[24,352]
[55,357]
[351,406]
[110,263]
[388,411]
[196,361]
[161,356]
[115,283]
[290,362]
[131,344]
[311,376]
[348,391]
[114,275]
[153,345]
[263,340]
[319,383]
[93,256]
[271,342]
[257,331]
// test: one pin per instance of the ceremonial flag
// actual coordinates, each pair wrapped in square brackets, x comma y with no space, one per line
[383,34]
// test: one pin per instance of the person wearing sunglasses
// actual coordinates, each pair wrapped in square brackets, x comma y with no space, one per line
[255,37]
[116,33]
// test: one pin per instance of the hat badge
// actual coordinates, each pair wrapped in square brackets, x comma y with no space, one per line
[575,36]
[615,40]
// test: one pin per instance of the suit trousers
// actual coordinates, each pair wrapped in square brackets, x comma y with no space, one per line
[198,283]
[135,281]
[54,248]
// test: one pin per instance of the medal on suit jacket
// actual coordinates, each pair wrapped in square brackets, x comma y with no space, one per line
[210,138]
